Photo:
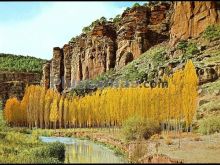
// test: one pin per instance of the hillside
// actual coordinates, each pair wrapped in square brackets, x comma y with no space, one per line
[19,63]
[17,71]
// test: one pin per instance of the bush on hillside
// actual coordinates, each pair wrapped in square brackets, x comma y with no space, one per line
[212,32]
[192,49]
[139,128]
[209,125]
[136,5]
[182,45]
[54,150]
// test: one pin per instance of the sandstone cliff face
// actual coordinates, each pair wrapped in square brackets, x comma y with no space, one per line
[141,28]
[107,46]
[46,75]
[94,54]
[112,46]
[191,18]
[13,84]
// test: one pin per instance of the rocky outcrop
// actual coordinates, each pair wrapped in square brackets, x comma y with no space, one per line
[132,35]
[45,81]
[94,53]
[56,70]
[13,84]
[113,45]
[191,18]
[67,53]
[209,73]
[142,27]
[108,46]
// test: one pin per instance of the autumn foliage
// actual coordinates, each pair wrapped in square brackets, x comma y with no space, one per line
[108,107]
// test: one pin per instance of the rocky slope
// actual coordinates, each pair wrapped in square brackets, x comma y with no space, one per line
[12,84]
[112,45]
[16,72]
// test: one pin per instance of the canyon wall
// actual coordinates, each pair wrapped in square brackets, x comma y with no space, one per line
[112,45]
[107,46]
[190,19]
[13,84]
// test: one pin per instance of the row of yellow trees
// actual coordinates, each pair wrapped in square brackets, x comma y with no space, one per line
[108,107]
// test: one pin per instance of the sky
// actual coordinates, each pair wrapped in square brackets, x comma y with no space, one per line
[34,28]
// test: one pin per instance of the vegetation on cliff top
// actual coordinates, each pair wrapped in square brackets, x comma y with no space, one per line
[19,63]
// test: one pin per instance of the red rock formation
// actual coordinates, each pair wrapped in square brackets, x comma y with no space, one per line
[67,53]
[109,46]
[141,27]
[191,18]
[158,13]
[94,54]
[45,81]
[56,69]
[132,35]
[13,84]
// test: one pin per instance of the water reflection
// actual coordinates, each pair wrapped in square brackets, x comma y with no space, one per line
[83,151]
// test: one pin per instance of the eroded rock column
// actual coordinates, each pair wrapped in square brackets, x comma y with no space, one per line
[56,76]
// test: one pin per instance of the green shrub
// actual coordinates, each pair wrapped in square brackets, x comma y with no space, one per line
[212,32]
[138,128]
[182,45]
[192,49]
[188,49]
[86,29]
[3,135]
[136,5]
[22,130]
[53,150]
[209,125]
[117,19]
[34,156]
[42,132]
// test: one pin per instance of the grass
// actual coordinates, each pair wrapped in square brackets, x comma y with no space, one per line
[18,145]
[210,125]
[211,87]
[145,64]
[213,105]
[117,151]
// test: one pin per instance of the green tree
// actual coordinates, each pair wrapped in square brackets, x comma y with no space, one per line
[136,5]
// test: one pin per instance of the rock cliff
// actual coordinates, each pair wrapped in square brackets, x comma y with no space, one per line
[110,45]
[191,18]
[107,46]
[12,84]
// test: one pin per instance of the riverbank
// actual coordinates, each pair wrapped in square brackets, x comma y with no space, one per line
[19,145]
[114,140]
[194,147]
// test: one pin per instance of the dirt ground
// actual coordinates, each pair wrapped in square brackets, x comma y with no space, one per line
[193,148]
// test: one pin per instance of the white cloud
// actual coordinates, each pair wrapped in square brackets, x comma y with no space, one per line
[54,26]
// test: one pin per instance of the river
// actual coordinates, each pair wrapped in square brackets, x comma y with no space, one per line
[85,151]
